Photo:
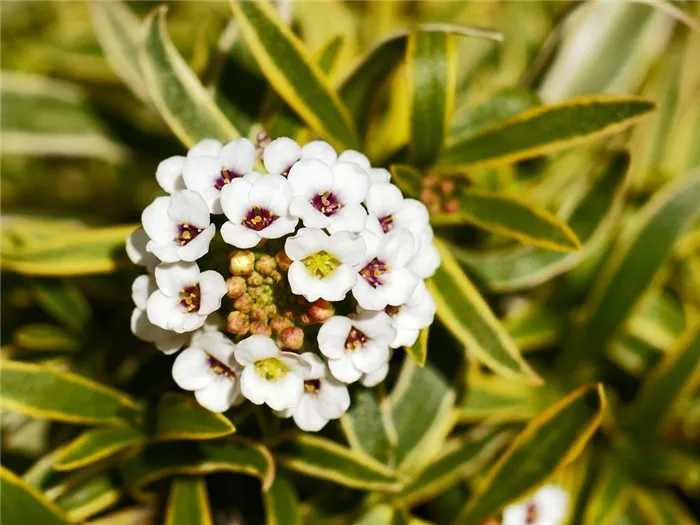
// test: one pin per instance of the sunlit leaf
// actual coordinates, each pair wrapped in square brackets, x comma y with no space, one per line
[94,445]
[179,417]
[89,497]
[610,494]
[365,427]
[188,503]
[64,301]
[45,337]
[282,503]
[22,503]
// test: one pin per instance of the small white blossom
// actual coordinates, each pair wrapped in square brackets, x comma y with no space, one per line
[257,207]
[210,171]
[209,369]
[384,277]
[324,397]
[426,260]
[282,153]
[269,375]
[169,174]
[329,197]
[322,264]
[136,250]
[388,205]
[185,297]
[376,175]
[179,227]
[356,346]
[547,506]
[166,341]
[409,318]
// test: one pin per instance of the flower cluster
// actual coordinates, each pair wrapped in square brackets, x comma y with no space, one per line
[318,271]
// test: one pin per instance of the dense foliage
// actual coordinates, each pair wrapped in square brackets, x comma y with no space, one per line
[557,147]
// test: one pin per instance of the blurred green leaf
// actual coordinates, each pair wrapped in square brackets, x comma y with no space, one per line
[659,321]
[95,445]
[43,392]
[495,399]
[610,496]
[534,327]
[419,350]
[542,130]
[179,417]
[90,497]
[364,426]
[21,503]
[662,508]
[175,90]
[188,503]
[64,301]
[45,337]
[282,503]
[549,441]
[127,516]
[409,180]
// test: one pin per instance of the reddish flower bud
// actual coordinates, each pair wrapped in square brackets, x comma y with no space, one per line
[265,264]
[236,287]
[258,314]
[237,323]
[320,311]
[255,279]
[292,338]
[451,206]
[243,304]
[447,186]
[283,262]
[260,328]
[280,323]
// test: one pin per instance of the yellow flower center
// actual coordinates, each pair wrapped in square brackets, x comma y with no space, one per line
[321,264]
[271,369]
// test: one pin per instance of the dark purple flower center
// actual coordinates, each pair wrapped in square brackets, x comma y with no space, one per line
[189,298]
[225,177]
[259,218]
[387,223]
[355,339]
[186,232]
[219,368]
[312,385]
[327,203]
[372,273]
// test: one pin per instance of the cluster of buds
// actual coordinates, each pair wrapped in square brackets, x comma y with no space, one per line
[440,195]
[325,278]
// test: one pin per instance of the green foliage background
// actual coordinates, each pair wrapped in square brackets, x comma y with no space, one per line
[558,147]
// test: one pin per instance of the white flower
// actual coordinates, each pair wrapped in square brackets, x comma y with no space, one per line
[209,369]
[376,377]
[282,153]
[322,264]
[136,250]
[269,375]
[212,167]
[409,318]
[169,174]
[376,175]
[388,205]
[179,227]
[257,207]
[384,278]
[356,346]
[166,341]
[185,297]
[324,397]
[547,506]
[329,197]
[426,260]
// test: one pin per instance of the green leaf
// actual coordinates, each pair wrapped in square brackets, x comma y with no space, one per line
[325,459]
[421,415]
[117,29]
[188,503]
[459,459]
[526,267]
[466,315]
[409,181]
[64,301]
[364,425]
[89,497]
[544,129]
[89,251]
[127,516]
[431,66]
[179,417]
[97,444]
[512,218]
[631,268]
[664,385]
[22,503]
[282,503]
[162,460]
[382,515]
[39,391]
[659,322]
[176,92]
[550,441]
[662,507]
[498,400]
[45,337]
[534,327]
[610,495]
[419,350]
[292,72]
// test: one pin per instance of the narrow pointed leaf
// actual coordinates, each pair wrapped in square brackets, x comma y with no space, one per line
[39,391]
[662,508]
[544,129]
[128,516]
[188,502]
[431,65]
[534,328]
[46,337]
[365,427]
[64,301]
[292,72]
[550,441]
[97,444]
[512,218]
[282,503]
[325,459]
[466,315]
[610,495]
[176,92]
[419,350]
[632,267]
[496,399]
[89,497]
[179,417]
[526,267]
[22,503]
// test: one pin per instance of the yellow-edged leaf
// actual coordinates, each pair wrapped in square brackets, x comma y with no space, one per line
[97,444]
[188,503]
[21,503]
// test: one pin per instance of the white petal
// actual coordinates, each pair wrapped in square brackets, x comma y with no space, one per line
[370,357]
[166,252]
[336,286]
[169,342]
[306,242]
[515,514]
[425,262]
[286,392]
[399,286]
[302,283]
[383,199]
[280,154]
[188,207]
[209,147]
[307,415]
[376,377]
[234,199]
[136,250]
[172,278]
[296,364]
[212,289]
[198,246]
[411,215]
[350,218]
[309,177]
[239,236]
[376,325]
[191,369]
[317,366]
[332,335]
[272,192]
[349,248]
[158,225]
[317,149]
[379,175]
[551,502]
[396,248]
[405,336]
[219,395]
[141,327]
[368,297]
[238,156]
[141,289]
[281,227]
[200,175]
[350,182]
[254,387]
[254,348]
[343,370]
[161,309]
[169,174]
[356,157]
[334,399]
[312,218]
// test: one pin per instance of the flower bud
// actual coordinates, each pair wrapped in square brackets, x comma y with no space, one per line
[237,323]
[241,262]
[320,311]
[255,279]
[265,264]
[447,186]
[280,323]
[283,262]
[451,206]
[292,338]
[276,276]
[260,328]
[271,310]
[258,314]
[236,287]
[244,303]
